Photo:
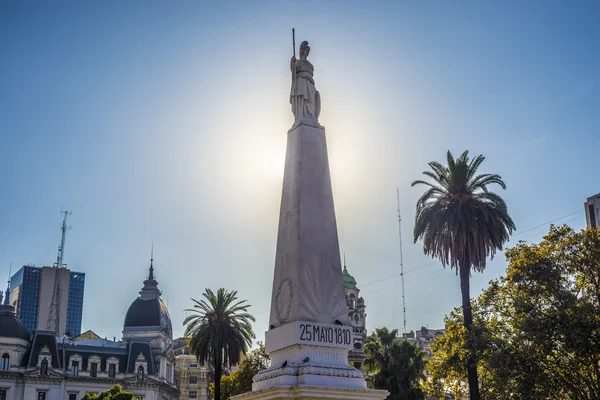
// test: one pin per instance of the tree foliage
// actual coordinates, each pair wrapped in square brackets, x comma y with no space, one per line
[537,330]
[396,365]
[240,381]
[461,222]
[114,393]
[220,331]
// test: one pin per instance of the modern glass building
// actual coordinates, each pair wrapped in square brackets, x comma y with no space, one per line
[75,303]
[25,285]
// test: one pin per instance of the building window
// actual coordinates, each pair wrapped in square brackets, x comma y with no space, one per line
[44,367]
[169,372]
[72,396]
[111,370]
[94,370]
[5,362]
[41,395]
[2,394]
[75,368]
[193,380]
[140,372]
[192,394]
[193,365]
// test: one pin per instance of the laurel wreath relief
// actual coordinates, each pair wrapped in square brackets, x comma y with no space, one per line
[288,310]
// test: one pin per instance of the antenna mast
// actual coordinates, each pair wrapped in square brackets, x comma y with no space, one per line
[54,316]
[401,262]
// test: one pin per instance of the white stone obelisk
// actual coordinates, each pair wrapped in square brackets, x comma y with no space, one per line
[309,336]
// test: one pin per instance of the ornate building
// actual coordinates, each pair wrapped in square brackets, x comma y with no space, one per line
[47,367]
[357,316]
[193,378]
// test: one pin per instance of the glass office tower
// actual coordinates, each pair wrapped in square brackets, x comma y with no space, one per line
[25,287]
[75,305]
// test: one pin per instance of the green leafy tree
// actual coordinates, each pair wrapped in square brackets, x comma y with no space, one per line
[220,331]
[114,393]
[240,381]
[462,223]
[396,365]
[537,330]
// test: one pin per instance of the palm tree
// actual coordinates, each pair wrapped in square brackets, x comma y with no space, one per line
[377,347]
[219,330]
[462,223]
[397,365]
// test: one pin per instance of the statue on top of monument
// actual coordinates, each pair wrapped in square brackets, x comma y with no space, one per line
[304,97]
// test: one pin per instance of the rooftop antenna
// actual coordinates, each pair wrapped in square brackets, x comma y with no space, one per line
[53,323]
[401,263]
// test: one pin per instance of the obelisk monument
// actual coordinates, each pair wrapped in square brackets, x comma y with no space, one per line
[309,334]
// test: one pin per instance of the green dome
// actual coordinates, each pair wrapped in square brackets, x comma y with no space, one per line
[349,281]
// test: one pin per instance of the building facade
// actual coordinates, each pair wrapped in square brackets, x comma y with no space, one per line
[592,211]
[193,379]
[358,318]
[31,294]
[50,367]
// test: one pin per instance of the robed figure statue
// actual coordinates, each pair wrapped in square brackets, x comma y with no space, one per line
[304,97]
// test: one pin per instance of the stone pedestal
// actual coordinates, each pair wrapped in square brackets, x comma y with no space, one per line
[309,353]
[313,393]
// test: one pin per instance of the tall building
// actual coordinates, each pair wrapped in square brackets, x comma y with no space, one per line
[592,211]
[358,318]
[31,294]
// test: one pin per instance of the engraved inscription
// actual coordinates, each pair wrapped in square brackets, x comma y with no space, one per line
[323,334]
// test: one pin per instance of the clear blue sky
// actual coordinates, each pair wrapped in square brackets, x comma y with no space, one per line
[166,122]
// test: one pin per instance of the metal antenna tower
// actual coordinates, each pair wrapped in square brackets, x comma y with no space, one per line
[54,316]
[401,262]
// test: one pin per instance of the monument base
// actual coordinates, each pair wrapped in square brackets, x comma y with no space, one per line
[305,392]
[323,369]
[311,354]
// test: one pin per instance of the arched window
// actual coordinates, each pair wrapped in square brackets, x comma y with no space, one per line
[140,372]
[75,368]
[44,367]
[5,362]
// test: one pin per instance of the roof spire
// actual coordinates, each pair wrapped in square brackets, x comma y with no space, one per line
[150,289]
[151,276]
[7,293]
[5,306]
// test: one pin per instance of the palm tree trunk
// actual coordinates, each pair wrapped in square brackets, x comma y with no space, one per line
[465,271]
[218,373]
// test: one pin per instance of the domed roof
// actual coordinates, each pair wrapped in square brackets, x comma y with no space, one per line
[10,325]
[13,327]
[349,281]
[148,312]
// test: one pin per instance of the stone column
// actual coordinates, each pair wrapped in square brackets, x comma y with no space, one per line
[309,336]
